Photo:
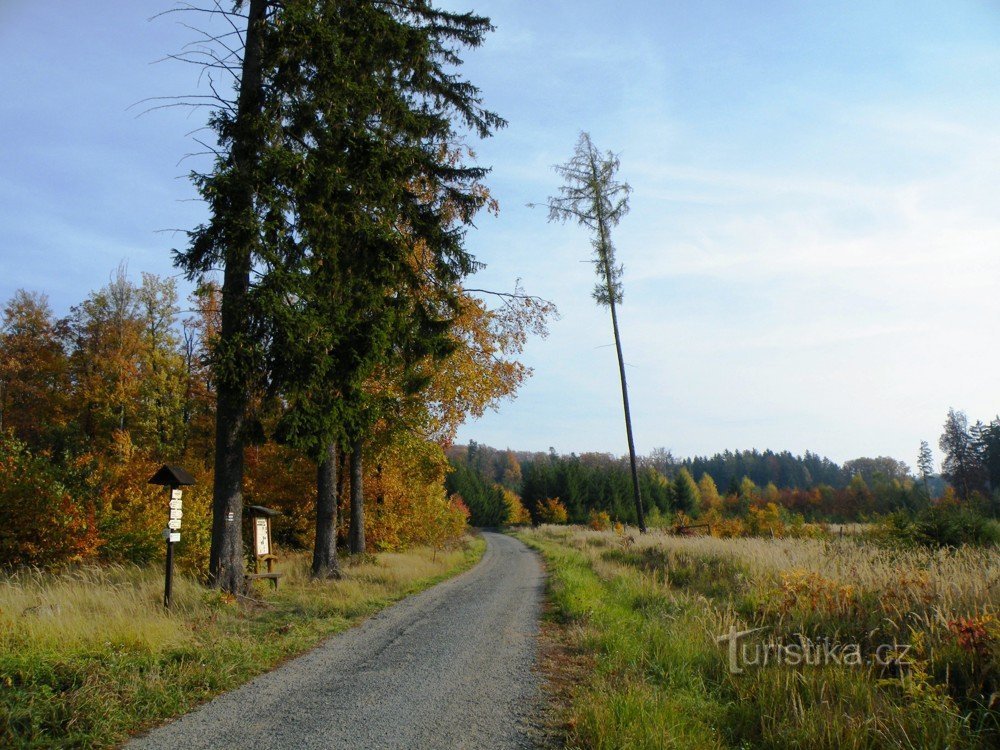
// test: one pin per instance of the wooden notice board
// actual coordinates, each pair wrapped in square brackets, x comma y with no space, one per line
[262,536]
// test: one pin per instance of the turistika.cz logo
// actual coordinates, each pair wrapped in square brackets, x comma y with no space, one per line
[805,652]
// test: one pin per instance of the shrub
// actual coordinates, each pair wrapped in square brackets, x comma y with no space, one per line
[599,520]
[947,525]
[551,510]
[47,523]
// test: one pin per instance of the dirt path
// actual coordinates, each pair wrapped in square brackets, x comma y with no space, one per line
[448,668]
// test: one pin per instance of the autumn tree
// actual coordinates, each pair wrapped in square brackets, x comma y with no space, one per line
[594,198]
[880,469]
[52,525]
[708,492]
[33,369]
[511,477]
[105,358]
[160,424]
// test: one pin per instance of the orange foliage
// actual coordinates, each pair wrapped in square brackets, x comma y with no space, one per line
[599,520]
[551,510]
[44,523]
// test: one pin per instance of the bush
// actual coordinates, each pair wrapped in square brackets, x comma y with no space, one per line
[551,510]
[47,523]
[599,520]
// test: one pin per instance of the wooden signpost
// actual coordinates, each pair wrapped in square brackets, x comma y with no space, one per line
[173,478]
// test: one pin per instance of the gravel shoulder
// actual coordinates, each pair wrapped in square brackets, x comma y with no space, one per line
[451,667]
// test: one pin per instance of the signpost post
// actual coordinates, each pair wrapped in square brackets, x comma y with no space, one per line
[173,478]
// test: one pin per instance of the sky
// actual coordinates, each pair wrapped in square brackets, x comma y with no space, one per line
[812,254]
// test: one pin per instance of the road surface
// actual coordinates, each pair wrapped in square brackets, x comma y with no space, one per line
[448,668]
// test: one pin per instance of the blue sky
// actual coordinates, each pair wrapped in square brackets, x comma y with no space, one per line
[811,260]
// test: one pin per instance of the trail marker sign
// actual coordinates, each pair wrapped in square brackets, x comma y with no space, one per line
[173,478]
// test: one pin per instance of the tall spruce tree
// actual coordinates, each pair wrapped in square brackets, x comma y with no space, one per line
[372,113]
[925,465]
[962,464]
[245,213]
[334,164]
[593,197]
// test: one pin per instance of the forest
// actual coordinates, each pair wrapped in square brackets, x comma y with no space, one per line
[736,486]
[92,403]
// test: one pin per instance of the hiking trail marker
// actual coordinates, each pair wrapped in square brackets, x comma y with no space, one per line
[173,478]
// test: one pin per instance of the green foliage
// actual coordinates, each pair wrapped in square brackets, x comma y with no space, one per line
[485,501]
[687,497]
[944,524]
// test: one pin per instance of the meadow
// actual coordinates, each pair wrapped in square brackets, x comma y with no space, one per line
[698,642]
[89,656]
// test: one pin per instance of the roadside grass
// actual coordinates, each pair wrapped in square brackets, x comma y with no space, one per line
[648,612]
[89,656]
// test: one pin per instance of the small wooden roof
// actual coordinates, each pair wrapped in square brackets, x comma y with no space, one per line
[171,476]
[255,511]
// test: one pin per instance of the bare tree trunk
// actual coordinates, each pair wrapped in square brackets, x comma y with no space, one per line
[636,495]
[356,536]
[225,568]
[325,563]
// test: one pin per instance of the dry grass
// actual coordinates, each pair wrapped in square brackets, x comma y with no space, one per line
[963,580]
[648,609]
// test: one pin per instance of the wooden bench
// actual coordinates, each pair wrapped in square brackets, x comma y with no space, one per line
[271,575]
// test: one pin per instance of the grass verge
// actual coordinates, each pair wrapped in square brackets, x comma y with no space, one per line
[646,615]
[89,657]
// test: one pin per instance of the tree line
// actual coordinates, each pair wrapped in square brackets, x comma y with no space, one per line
[809,488]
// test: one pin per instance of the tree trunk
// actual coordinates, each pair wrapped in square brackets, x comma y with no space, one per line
[225,568]
[343,475]
[356,535]
[325,563]
[636,495]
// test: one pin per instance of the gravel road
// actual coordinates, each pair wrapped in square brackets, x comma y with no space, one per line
[448,668]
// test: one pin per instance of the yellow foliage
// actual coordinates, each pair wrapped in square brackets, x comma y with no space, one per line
[765,520]
[517,514]
[406,503]
[722,527]
[551,510]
